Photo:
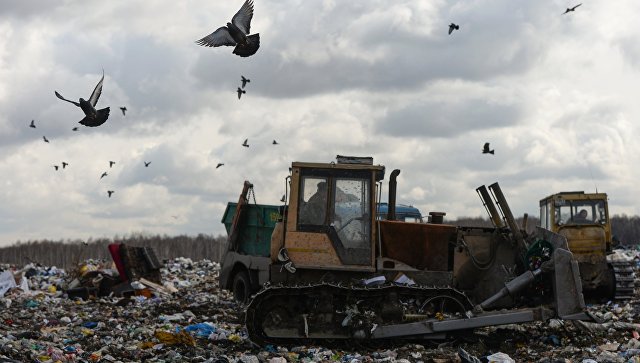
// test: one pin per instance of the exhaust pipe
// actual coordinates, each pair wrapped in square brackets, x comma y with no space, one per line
[393,185]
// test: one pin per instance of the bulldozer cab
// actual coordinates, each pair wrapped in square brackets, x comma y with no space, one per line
[330,219]
[583,218]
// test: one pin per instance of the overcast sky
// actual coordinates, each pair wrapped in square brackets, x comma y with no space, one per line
[555,95]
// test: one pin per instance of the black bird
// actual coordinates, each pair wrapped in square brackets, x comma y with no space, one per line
[245,144]
[103,175]
[64,164]
[56,167]
[110,192]
[32,125]
[74,129]
[236,33]
[92,116]
[219,165]
[282,199]
[486,150]
[240,92]
[45,139]
[123,109]
[274,142]
[146,164]
[111,163]
[453,27]
[244,81]
[571,9]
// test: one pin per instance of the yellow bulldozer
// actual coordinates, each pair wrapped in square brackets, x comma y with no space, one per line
[583,219]
[325,267]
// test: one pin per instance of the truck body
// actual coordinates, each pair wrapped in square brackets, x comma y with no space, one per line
[333,270]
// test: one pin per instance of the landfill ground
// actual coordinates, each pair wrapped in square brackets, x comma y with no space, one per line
[201,323]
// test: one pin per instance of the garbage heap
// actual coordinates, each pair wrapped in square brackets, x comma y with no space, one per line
[177,313]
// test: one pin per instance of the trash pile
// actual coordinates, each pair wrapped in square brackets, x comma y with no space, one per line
[177,313]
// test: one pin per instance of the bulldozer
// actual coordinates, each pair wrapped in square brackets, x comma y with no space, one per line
[583,219]
[324,267]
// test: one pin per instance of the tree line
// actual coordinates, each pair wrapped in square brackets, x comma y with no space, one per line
[68,253]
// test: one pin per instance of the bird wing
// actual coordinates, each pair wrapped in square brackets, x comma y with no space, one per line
[93,100]
[219,37]
[574,8]
[486,146]
[242,19]
[64,99]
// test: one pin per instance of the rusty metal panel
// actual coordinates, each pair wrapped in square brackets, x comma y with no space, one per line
[423,246]
[311,249]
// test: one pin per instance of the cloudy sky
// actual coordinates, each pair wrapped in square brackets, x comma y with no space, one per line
[555,95]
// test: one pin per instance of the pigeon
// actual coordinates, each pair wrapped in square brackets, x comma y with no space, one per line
[56,167]
[146,164]
[486,150]
[32,124]
[110,192]
[123,109]
[571,9]
[236,33]
[274,142]
[245,144]
[453,27]
[64,164]
[111,163]
[103,175]
[45,139]
[240,92]
[244,81]
[219,165]
[92,117]
[74,129]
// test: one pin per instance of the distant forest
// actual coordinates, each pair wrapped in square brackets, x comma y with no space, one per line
[68,253]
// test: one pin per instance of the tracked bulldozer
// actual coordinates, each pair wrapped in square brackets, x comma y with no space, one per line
[583,219]
[332,271]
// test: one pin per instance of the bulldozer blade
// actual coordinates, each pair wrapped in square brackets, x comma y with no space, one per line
[568,287]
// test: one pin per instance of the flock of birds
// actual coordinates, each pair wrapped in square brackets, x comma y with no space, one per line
[236,34]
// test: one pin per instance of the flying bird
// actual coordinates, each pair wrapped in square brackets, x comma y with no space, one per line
[245,144]
[485,149]
[236,33]
[123,109]
[111,163]
[103,175]
[56,167]
[110,192]
[571,9]
[282,199]
[92,116]
[244,81]
[45,139]
[274,142]
[240,92]
[32,124]
[453,27]
[64,164]
[219,165]
[74,129]
[146,164]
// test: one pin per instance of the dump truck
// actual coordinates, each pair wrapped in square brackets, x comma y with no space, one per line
[583,219]
[326,269]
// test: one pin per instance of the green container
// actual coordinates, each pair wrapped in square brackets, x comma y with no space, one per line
[254,228]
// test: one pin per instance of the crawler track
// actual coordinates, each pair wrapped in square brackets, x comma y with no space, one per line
[331,312]
[625,279]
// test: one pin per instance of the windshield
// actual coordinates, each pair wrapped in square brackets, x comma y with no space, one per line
[580,212]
